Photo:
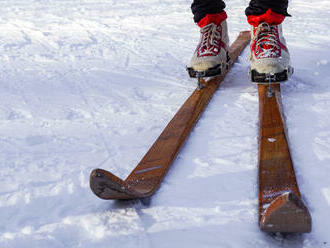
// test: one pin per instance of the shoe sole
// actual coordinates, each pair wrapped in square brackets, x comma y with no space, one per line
[265,78]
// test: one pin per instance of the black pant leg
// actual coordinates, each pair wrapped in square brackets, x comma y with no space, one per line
[259,7]
[202,7]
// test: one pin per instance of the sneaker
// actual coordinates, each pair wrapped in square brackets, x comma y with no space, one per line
[270,58]
[211,55]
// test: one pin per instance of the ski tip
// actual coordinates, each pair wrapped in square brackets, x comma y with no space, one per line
[108,186]
[286,214]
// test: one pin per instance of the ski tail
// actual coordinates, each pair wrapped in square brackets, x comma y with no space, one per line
[286,214]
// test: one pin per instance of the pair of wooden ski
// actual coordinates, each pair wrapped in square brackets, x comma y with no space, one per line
[280,205]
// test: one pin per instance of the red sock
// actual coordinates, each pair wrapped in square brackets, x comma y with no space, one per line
[212,18]
[269,17]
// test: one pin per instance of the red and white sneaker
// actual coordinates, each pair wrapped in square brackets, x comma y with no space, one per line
[211,55]
[270,58]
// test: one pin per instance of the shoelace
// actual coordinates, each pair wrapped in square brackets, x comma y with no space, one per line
[266,40]
[210,37]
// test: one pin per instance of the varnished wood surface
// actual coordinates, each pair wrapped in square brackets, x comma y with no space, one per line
[286,214]
[148,174]
[276,172]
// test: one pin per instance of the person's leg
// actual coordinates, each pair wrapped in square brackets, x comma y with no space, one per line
[200,8]
[259,7]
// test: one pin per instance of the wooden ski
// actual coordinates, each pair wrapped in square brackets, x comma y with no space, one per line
[145,179]
[280,206]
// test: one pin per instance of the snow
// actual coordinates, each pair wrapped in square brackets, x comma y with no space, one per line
[92,83]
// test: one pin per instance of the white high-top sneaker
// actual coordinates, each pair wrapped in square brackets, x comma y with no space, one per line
[270,58]
[211,55]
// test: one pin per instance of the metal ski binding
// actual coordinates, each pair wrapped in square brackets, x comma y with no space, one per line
[270,78]
[199,76]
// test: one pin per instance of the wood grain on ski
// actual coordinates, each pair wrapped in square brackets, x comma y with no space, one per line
[148,174]
[280,205]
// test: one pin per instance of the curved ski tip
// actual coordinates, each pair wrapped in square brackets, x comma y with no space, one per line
[108,186]
[286,214]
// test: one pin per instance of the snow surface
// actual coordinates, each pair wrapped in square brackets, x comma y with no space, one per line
[91,83]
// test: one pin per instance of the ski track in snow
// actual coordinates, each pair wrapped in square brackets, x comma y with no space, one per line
[89,83]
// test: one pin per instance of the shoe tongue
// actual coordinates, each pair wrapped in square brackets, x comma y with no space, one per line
[206,31]
[265,32]
[266,46]
[265,26]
